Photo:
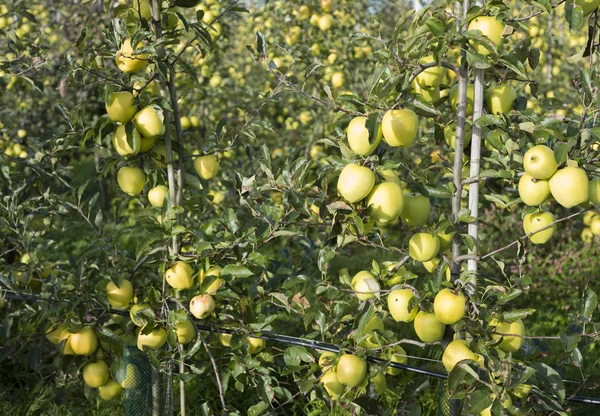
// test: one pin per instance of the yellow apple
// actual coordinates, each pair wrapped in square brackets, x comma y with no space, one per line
[539,162]
[490,27]
[355,182]
[500,99]
[119,295]
[398,356]
[325,22]
[351,370]
[445,241]
[132,377]
[201,306]
[225,339]
[142,9]
[400,127]
[326,360]
[153,88]
[337,79]
[429,95]
[332,385]
[131,180]
[133,314]
[155,339]
[470,97]
[587,236]
[364,284]
[156,196]
[430,77]
[186,124]
[588,6]
[128,60]
[415,212]
[84,342]
[533,192]
[428,328]
[195,121]
[121,144]
[449,307]
[359,138]
[150,122]
[147,144]
[185,332]
[304,12]
[455,352]
[95,374]
[450,134]
[509,343]
[110,390]
[179,276]
[389,175]
[57,334]
[120,106]
[595,226]
[374,324]
[398,301]
[536,221]
[216,284]
[423,246]
[206,166]
[386,202]
[255,345]
[594,192]
[570,186]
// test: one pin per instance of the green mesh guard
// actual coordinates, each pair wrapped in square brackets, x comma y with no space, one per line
[446,406]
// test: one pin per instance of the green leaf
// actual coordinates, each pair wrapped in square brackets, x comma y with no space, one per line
[236,271]
[589,304]
[561,151]
[550,380]
[436,27]
[478,401]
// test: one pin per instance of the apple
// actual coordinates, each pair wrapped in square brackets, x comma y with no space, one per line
[374,324]
[450,134]
[201,306]
[490,27]
[57,334]
[326,360]
[351,370]
[364,285]
[142,9]
[398,356]
[326,5]
[225,339]
[355,182]
[304,12]
[332,385]
[120,106]
[119,295]
[595,226]
[131,180]
[150,122]
[156,196]
[570,186]
[428,328]
[470,97]
[153,88]
[185,122]
[95,374]
[386,202]
[509,343]
[84,342]
[359,138]
[215,81]
[455,352]
[133,313]
[216,284]
[255,345]
[533,192]
[325,22]
[379,383]
[423,246]
[293,35]
[536,221]
[430,77]
[416,210]
[429,95]
[389,175]
[587,236]
[400,127]
[121,144]
[147,144]
[132,377]
[449,307]
[128,60]
[588,6]
[195,121]
[594,194]
[185,332]
[445,241]
[432,264]
[179,276]
[539,162]
[110,390]
[500,99]
[155,339]
[206,166]
[337,79]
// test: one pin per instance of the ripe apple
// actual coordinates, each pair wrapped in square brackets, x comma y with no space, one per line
[500,99]
[449,307]
[156,196]
[110,390]
[131,180]
[379,383]
[95,374]
[142,9]
[147,144]
[179,276]
[428,328]
[332,385]
[398,356]
[337,79]
[432,264]
[326,5]
[538,220]
[84,342]
[364,284]
[539,162]
[326,360]
[431,77]
[130,61]
[359,139]
[201,306]
[155,339]
[119,294]
[216,284]
[587,236]
[398,301]
[508,344]
[594,195]
[416,210]
[429,95]
[533,192]
[150,122]
[386,202]
[57,334]
[595,226]
[133,313]
[325,22]
[355,182]
[195,121]
[423,246]
[470,97]
[132,377]
[445,241]
[206,166]
[588,6]
[450,134]
[120,106]
[400,127]
[185,122]
[490,27]
[225,339]
[570,186]
[455,352]
[351,370]
[185,332]
[304,12]
[374,324]
[153,88]
[121,144]
[255,345]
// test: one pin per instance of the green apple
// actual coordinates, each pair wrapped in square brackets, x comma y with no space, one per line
[332,385]
[110,391]
[365,284]
[142,9]
[509,343]
[398,356]
[594,194]
[201,306]
[185,332]
[423,246]
[500,99]
[490,27]
[216,284]
[430,77]
[326,360]
[128,60]
[536,221]
[206,166]
[450,134]
[359,138]
[131,180]
[84,342]
[470,97]
[121,144]
[533,192]
[445,241]
[539,162]
[225,339]
[595,226]
[95,374]
[416,210]
[119,295]
[449,307]
[147,144]
[325,22]
[389,175]
[179,276]
[150,122]
[429,95]
[374,324]
[255,345]
[185,122]
[351,370]
[588,6]
[120,106]
[355,182]
[455,352]
[156,196]
[155,339]
[398,301]
[428,328]
[400,127]
[379,383]
[386,202]
[570,186]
